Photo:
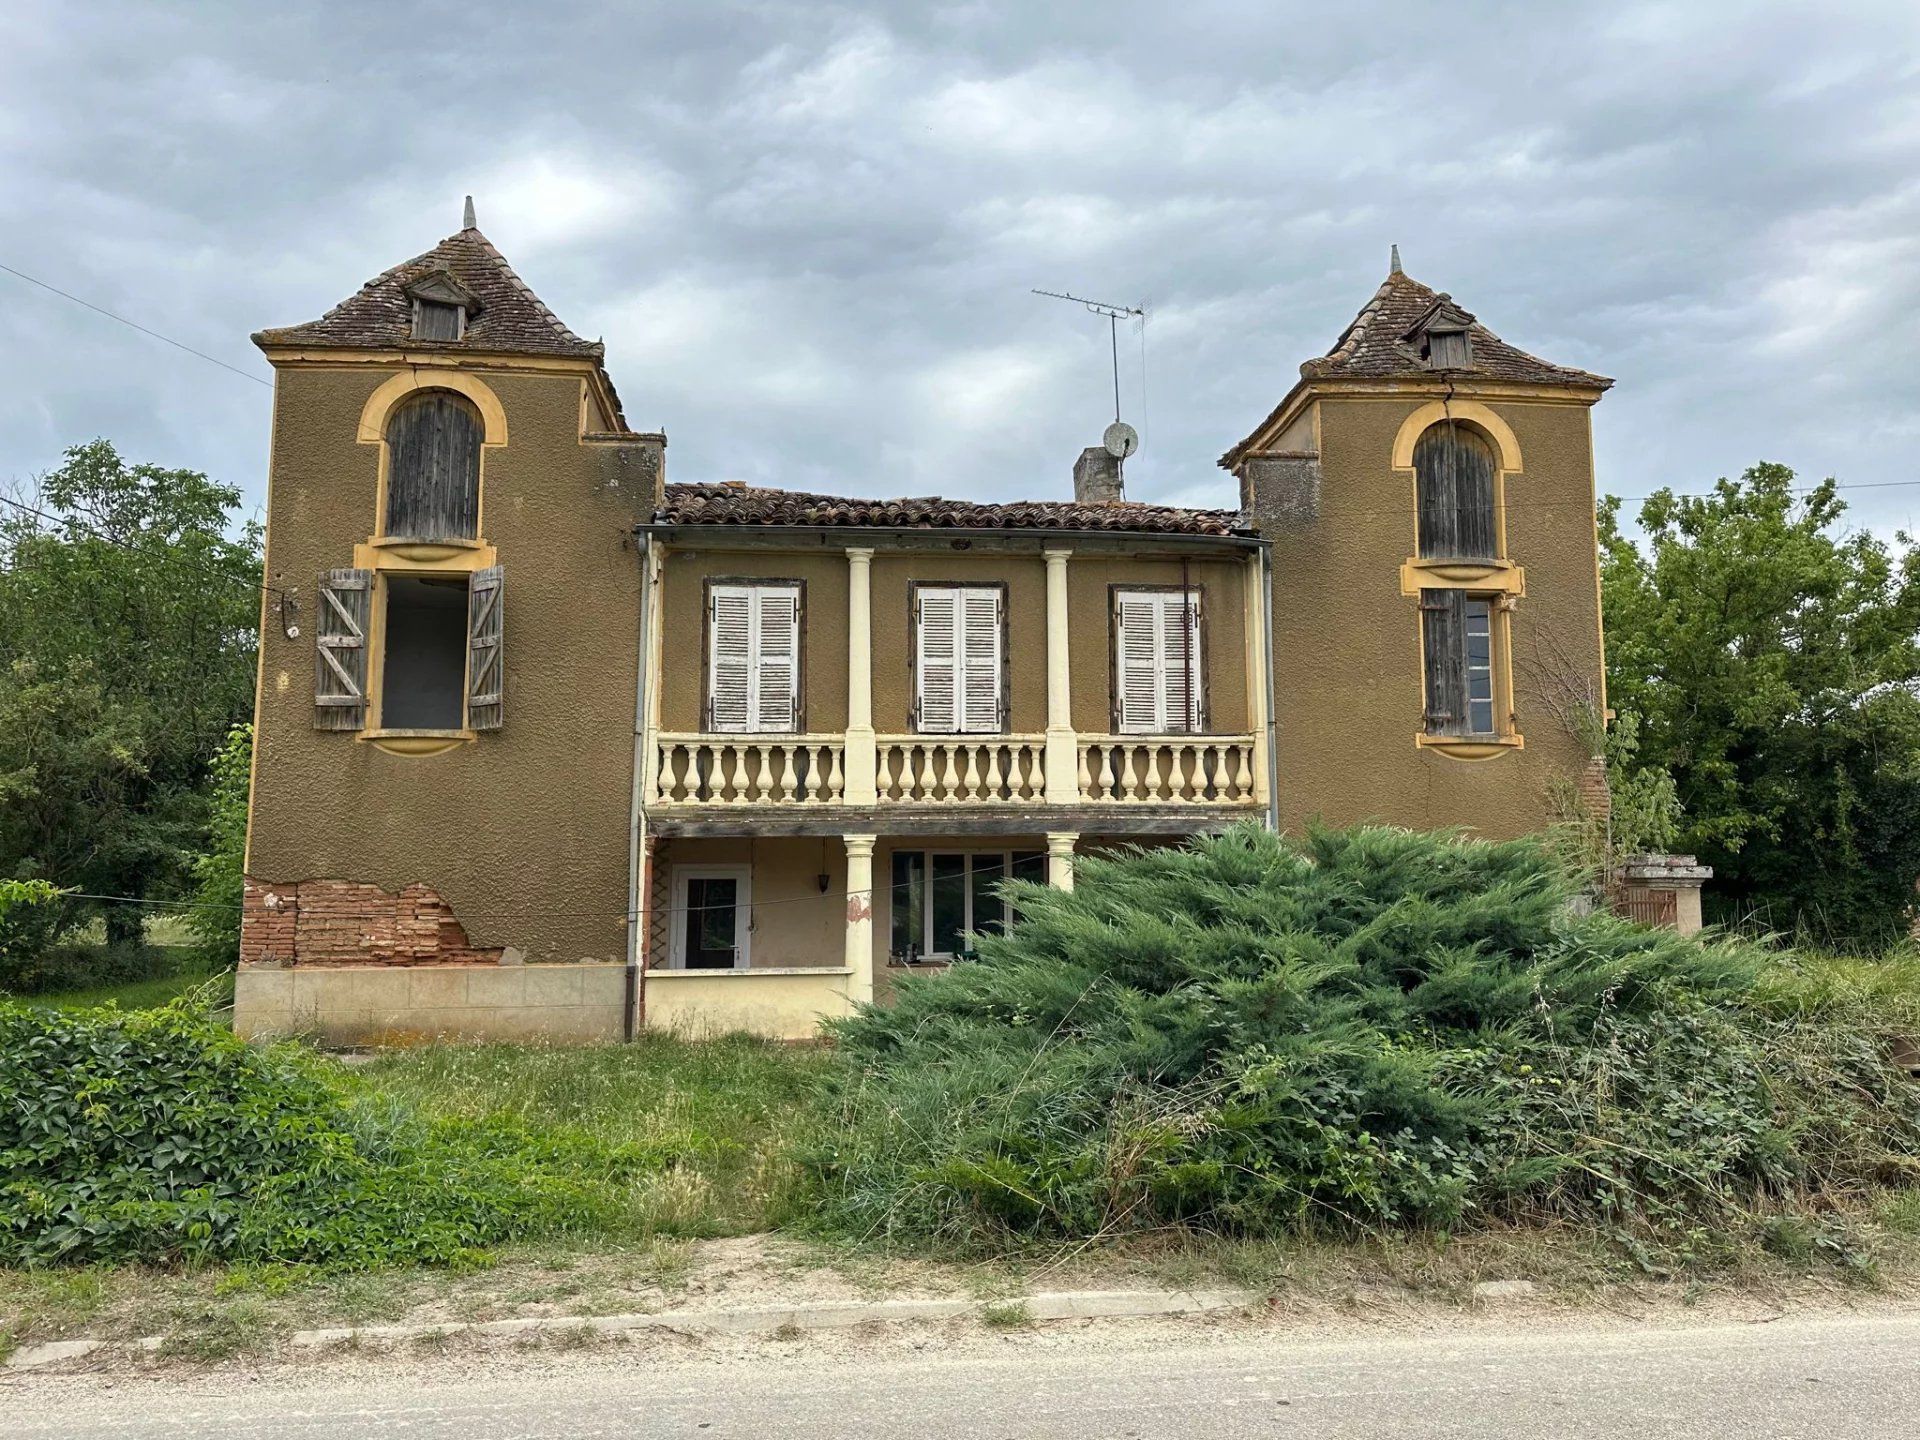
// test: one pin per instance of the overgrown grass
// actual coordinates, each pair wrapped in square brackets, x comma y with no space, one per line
[146,994]
[714,1118]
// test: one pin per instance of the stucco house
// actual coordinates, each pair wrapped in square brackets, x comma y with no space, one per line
[549,745]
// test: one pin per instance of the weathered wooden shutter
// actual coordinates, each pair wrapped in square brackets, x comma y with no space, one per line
[753,657]
[486,661]
[1140,664]
[729,657]
[777,657]
[1157,680]
[340,650]
[1453,469]
[433,468]
[1443,628]
[981,700]
[937,661]
[1180,626]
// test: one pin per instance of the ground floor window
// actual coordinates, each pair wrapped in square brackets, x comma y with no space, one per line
[712,906]
[942,897]
[423,683]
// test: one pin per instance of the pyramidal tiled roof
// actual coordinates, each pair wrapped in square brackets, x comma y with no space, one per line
[1380,344]
[1375,345]
[725,504]
[509,317]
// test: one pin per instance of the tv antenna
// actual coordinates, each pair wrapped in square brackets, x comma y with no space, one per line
[1120,438]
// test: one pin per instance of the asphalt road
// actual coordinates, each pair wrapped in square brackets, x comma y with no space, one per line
[1835,1379]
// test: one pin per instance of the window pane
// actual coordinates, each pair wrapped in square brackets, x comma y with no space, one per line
[1028,865]
[909,901]
[1480,667]
[712,921]
[949,903]
[988,872]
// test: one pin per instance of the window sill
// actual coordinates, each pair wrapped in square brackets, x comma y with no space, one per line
[1471,747]
[399,551]
[1497,576]
[416,742]
[681,972]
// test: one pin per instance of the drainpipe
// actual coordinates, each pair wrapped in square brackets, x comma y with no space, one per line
[637,821]
[1266,679]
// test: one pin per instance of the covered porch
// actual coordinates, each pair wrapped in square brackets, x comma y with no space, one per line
[771,934]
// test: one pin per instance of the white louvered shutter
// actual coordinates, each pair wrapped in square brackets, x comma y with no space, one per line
[729,658]
[980,698]
[776,649]
[958,660]
[937,660]
[1157,660]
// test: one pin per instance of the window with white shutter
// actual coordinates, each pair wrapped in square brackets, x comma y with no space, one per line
[753,657]
[1158,687]
[958,660]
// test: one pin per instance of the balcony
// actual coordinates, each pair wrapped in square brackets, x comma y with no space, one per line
[972,772]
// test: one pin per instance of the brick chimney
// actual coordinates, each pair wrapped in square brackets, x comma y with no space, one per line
[1096,478]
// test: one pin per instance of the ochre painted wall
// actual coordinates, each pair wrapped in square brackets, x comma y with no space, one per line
[823,640]
[1347,662]
[1090,576]
[524,830]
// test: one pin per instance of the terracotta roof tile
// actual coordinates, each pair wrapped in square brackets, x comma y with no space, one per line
[758,505]
[379,316]
[1374,345]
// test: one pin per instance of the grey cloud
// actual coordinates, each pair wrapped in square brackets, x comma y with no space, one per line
[808,232]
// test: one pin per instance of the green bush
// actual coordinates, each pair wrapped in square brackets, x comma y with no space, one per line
[158,1136]
[1366,1027]
[30,918]
[214,915]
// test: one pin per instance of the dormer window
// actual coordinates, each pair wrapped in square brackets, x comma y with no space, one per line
[1448,350]
[442,307]
[1443,337]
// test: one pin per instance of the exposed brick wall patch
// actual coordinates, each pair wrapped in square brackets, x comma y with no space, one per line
[340,922]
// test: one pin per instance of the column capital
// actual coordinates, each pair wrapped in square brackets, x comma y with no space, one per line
[1057,554]
[859,554]
[858,845]
[1061,842]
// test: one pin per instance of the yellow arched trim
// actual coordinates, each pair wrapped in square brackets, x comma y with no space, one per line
[382,403]
[1435,411]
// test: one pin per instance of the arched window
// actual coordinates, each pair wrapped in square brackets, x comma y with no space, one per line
[433,468]
[1453,465]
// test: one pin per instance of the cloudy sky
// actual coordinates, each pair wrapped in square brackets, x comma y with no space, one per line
[808,233]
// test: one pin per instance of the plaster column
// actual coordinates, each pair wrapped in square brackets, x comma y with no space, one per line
[860,757]
[859,954]
[1063,746]
[1259,671]
[1060,858]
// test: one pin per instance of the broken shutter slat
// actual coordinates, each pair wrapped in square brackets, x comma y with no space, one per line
[340,650]
[1443,627]
[486,659]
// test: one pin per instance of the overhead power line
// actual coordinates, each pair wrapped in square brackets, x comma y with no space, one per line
[136,325]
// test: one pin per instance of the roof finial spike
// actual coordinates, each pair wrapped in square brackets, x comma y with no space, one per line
[466,221]
[1393,260]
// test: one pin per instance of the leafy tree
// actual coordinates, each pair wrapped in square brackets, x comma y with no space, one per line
[126,653]
[218,872]
[1772,660]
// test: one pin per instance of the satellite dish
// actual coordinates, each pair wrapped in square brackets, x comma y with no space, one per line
[1121,440]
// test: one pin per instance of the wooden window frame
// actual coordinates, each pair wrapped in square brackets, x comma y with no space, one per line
[383,498]
[1005,854]
[1506,735]
[706,650]
[914,587]
[1203,659]
[743,918]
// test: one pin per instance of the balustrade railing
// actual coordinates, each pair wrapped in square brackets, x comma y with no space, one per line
[961,769]
[1167,770]
[748,770]
[951,770]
